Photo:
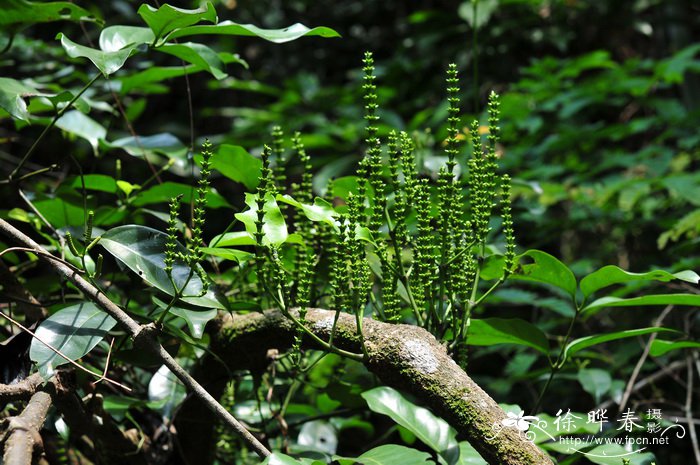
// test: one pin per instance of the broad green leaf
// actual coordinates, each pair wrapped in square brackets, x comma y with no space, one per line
[162,193]
[660,347]
[595,381]
[389,454]
[74,331]
[321,210]
[169,18]
[278,458]
[115,38]
[468,455]
[16,12]
[196,319]
[166,389]
[490,331]
[237,164]
[609,275]
[81,125]
[142,249]
[199,55]
[239,256]
[94,182]
[279,36]
[274,227]
[583,343]
[233,239]
[12,93]
[430,429]
[653,299]
[163,143]
[107,62]
[545,269]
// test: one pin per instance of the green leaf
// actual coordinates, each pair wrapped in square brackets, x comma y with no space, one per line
[168,18]
[233,239]
[388,454]
[653,299]
[468,455]
[545,269]
[12,93]
[612,454]
[16,12]
[321,210]
[81,125]
[660,347]
[199,55]
[196,319]
[430,429]
[609,275]
[239,256]
[166,389]
[490,331]
[115,38]
[274,227]
[583,343]
[279,36]
[107,62]
[74,331]
[94,182]
[162,193]
[237,164]
[595,381]
[142,249]
[278,458]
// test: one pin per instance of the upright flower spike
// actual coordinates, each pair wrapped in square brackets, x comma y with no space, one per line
[509,258]
[452,142]
[278,154]
[171,241]
[200,203]
[371,166]
[305,192]
[267,177]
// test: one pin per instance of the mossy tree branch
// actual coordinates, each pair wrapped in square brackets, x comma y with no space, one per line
[403,356]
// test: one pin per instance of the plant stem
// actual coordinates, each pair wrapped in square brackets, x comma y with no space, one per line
[58,115]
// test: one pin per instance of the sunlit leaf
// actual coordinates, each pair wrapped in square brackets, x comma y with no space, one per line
[321,210]
[652,299]
[199,55]
[389,454]
[115,38]
[165,389]
[107,62]
[15,12]
[239,256]
[142,249]
[169,18]
[545,269]
[287,34]
[81,125]
[583,343]
[274,226]
[609,275]
[163,193]
[490,331]
[74,331]
[12,94]
[661,347]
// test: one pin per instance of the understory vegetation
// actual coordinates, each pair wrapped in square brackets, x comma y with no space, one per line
[458,232]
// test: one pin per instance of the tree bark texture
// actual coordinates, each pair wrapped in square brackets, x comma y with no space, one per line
[402,356]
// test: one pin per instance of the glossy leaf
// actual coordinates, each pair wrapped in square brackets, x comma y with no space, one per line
[16,12]
[162,193]
[321,210]
[166,389]
[239,256]
[545,269]
[107,62]
[199,55]
[279,36]
[142,250]
[583,343]
[595,381]
[12,93]
[652,299]
[81,125]
[468,455]
[389,454]
[609,275]
[490,331]
[661,347]
[234,239]
[196,319]
[163,143]
[274,227]
[74,331]
[237,164]
[278,458]
[430,429]
[115,38]
[169,18]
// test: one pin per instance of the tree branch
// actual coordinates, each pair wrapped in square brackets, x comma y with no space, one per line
[22,436]
[145,336]
[403,356]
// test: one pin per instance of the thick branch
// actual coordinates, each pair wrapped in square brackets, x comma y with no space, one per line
[402,356]
[144,336]
[20,391]
[23,438]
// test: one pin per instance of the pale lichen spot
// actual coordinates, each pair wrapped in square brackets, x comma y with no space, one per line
[420,356]
[324,324]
